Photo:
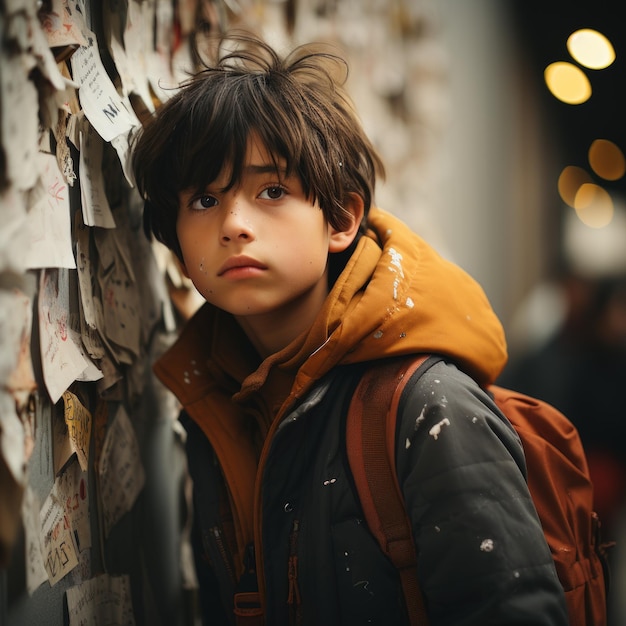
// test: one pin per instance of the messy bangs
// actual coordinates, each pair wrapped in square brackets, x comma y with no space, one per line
[295,106]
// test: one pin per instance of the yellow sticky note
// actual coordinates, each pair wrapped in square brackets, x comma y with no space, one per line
[78,421]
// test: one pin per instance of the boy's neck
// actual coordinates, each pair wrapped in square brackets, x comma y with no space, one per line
[271,332]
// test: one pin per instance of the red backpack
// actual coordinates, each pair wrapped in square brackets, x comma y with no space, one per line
[558,480]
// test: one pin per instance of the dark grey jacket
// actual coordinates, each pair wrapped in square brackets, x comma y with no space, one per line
[483,559]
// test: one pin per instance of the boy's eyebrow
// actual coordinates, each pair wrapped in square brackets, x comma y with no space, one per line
[269,168]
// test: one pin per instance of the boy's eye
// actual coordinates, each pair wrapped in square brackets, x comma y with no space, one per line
[203,202]
[275,192]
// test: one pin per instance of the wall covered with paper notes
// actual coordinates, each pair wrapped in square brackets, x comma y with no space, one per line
[92,477]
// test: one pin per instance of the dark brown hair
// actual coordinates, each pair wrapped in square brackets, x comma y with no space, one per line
[296,105]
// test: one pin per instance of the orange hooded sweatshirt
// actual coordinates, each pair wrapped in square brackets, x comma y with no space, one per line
[395,296]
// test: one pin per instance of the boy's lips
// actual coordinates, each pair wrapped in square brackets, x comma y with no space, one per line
[237,262]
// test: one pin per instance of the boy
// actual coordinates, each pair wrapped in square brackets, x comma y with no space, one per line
[258,175]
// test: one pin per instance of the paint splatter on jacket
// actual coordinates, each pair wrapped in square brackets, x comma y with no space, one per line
[266,452]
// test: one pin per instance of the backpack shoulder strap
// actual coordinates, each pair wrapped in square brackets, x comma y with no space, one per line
[370,442]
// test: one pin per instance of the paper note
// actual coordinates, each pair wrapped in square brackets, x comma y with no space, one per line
[91,372]
[101,601]
[49,218]
[36,573]
[63,152]
[78,422]
[121,143]
[119,291]
[57,543]
[122,475]
[63,25]
[90,304]
[62,362]
[71,490]
[110,114]
[95,205]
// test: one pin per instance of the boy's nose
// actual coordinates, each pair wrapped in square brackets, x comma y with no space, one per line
[236,225]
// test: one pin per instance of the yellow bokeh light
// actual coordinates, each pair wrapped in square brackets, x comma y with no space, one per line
[607,159]
[571,179]
[591,48]
[567,82]
[594,206]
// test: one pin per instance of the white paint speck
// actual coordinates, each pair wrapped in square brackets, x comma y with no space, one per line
[435,431]
[420,417]
[378,334]
[486,545]
[330,481]
[418,421]
[396,260]
[396,266]
[409,302]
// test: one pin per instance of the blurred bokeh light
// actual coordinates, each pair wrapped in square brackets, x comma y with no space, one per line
[567,82]
[591,48]
[607,159]
[594,205]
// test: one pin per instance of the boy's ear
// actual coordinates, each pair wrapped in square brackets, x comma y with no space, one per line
[341,239]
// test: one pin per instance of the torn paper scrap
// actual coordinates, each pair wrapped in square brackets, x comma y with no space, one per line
[121,472]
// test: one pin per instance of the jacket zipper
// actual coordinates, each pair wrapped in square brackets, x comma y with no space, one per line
[258,513]
[293,598]
[218,540]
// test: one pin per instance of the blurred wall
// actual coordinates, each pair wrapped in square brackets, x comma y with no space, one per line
[496,149]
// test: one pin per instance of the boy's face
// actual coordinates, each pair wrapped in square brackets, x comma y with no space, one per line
[259,249]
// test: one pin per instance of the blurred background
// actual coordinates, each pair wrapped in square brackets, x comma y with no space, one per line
[503,132]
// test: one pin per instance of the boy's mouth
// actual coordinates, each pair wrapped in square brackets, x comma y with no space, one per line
[240,262]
